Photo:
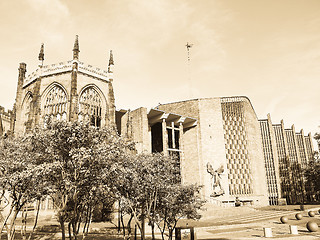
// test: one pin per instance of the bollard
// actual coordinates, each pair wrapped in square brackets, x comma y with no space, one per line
[312,226]
[284,219]
[267,232]
[293,229]
[311,213]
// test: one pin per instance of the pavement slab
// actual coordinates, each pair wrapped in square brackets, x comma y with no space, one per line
[251,226]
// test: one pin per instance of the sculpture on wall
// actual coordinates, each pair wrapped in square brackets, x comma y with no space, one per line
[215,180]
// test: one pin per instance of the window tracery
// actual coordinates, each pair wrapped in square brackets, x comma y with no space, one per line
[55,104]
[90,107]
[27,107]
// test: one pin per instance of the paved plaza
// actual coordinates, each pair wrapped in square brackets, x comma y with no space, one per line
[242,223]
[249,223]
[232,223]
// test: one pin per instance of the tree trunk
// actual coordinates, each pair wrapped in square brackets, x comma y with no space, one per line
[62,208]
[24,216]
[86,223]
[162,229]
[74,228]
[35,220]
[119,218]
[69,230]
[123,227]
[152,231]
[90,220]
[129,227]
[11,231]
[78,227]
[143,237]
[135,232]
[4,225]
[170,233]
[63,230]
[162,235]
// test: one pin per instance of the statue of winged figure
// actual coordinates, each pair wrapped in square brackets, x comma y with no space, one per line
[216,180]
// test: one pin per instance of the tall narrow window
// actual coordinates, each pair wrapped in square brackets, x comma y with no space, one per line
[55,104]
[26,107]
[90,107]
[26,110]
[173,145]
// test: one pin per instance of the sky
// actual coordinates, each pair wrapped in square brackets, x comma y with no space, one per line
[267,50]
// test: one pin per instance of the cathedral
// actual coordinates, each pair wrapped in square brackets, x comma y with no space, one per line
[68,91]
[219,141]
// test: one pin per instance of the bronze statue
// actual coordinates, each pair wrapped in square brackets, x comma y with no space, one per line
[216,180]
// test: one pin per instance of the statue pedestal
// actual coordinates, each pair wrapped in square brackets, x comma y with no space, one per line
[217,194]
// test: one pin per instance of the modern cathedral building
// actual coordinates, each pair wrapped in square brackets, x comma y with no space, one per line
[220,142]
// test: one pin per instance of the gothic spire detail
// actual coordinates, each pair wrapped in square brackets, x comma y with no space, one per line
[41,54]
[111,59]
[76,49]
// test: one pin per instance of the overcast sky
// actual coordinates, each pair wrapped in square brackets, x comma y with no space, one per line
[268,50]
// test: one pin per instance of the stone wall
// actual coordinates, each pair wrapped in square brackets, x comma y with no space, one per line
[42,85]
[134,125]
[5,118]
[256,155]
[205,143]
[190,162]
[212,143]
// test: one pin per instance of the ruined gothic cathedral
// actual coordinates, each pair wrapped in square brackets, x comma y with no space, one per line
[220,142]
[64,91]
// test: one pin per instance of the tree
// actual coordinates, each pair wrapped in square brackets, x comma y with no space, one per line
[312,175]
[80,166]
[131,188]
[78,162]
[150,189]
[178,201]
[312,172]
[20,181]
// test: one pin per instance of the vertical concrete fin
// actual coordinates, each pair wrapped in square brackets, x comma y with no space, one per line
[269,119]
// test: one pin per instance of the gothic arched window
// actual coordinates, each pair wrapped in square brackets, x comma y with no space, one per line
[27,107]
[55,104]
[90,106]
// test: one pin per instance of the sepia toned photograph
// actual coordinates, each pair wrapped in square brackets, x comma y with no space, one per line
[159,119]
